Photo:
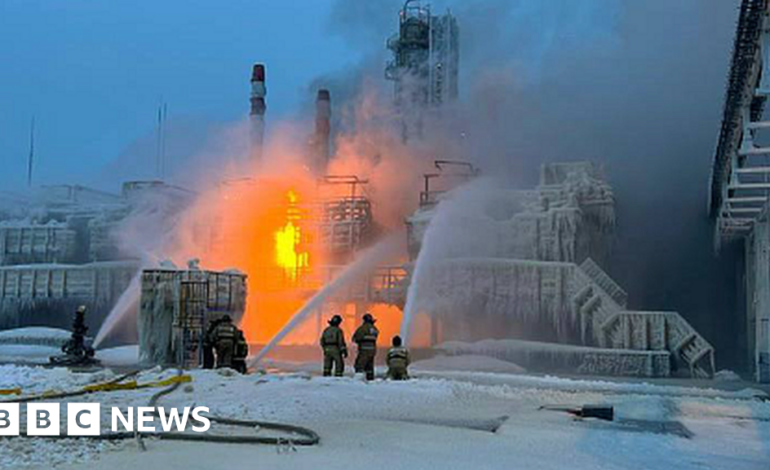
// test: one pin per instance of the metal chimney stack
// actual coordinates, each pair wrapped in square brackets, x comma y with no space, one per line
[323,113]
[258,108]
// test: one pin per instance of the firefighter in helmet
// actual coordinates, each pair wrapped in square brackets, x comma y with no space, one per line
[334,348]
[209,343]
[240,352]
[366,339]
[398,360]
[76,349]
[225,336]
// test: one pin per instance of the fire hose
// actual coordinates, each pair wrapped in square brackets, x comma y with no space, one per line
[300,436]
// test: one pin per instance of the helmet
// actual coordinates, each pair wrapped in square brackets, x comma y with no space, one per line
[397,341]
[368,318]
[335,320]
[81,309]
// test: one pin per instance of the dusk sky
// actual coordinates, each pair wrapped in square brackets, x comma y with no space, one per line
[93,72]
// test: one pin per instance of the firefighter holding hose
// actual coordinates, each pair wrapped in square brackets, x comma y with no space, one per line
[366,339]
[224,339]
[334,348]
[398,360]
[240,352]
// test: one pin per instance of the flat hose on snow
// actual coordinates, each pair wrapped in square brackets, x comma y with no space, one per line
[308,436]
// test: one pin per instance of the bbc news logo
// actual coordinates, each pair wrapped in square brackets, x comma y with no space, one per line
[83,419]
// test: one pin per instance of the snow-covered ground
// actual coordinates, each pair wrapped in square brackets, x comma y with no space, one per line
[20,351]
[467,362]
[433,421]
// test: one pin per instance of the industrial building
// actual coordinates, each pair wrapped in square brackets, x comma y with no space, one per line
[528,271]
[524,268]
[59,249]
[740,178]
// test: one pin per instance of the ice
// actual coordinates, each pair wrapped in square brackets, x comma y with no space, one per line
[467,362]
[726,376]
[28,354]
[493,260]
[35,335]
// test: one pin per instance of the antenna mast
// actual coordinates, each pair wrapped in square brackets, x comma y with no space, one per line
[31,157]
[160,153]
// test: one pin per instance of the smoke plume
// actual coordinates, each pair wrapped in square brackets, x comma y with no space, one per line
[637,86]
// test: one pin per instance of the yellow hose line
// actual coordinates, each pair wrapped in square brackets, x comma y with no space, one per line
[183,378]
[109,386]
[133,385]
[106,387]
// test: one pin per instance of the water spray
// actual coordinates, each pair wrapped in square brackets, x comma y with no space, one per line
[368,260]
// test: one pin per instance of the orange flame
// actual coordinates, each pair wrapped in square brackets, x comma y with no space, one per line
[288,239]
[264,224]
[260,227]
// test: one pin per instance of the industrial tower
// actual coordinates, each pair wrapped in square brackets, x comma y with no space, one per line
[425,63]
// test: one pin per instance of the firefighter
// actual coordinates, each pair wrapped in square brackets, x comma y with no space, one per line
[208,344]
[240,352]
[334,348]
[76,345]
[398,360]
[366,339]
[224,342]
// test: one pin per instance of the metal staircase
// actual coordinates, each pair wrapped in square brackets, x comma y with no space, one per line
[599,304]
[616,293]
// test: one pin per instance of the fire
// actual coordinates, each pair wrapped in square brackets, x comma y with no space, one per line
[262,226]
[269,219]
[288,239]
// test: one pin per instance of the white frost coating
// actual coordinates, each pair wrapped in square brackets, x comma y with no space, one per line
[491,258]
[27,354]
[567,357]
[368,260]
[35,335]
[467,362]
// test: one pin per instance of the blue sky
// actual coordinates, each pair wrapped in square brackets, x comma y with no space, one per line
[93,72]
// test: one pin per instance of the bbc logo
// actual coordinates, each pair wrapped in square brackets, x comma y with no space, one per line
[43,419]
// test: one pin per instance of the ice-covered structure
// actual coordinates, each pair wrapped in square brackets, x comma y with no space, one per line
[60,247]
[176,307]
[569,217]
[500,264]
[740,188]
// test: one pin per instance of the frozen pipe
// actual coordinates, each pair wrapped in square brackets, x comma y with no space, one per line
[323,113]
[258,108]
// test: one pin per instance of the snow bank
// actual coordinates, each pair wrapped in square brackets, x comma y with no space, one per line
[567,358]
[34,380]
[594,385]
[35,335]
[725,375]
[27,354]
[469,362]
